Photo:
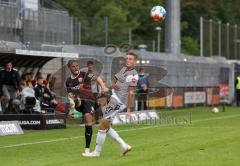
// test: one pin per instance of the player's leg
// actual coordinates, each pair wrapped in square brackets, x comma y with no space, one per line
[88,119]
[118,107]
[88,131]
[115,136]
[101,135]
[109,112]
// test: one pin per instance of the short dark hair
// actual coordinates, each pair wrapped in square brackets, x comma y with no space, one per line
[40,78]
[133,54]
[90,63]
[8,62]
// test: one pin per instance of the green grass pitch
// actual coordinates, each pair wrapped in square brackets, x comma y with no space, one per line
[210,140]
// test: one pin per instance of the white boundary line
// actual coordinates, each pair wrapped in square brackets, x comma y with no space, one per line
[126,130]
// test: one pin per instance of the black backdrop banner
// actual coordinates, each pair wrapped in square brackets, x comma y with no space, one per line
[37,121]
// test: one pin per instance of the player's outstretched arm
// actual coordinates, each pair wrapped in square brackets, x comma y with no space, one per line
[101,84]
[131,92]
[114,85]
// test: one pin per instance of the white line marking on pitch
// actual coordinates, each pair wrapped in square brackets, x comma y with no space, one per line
[125,130]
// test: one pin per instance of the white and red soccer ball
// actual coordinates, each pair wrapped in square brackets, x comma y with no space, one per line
[215,110]
[158,13]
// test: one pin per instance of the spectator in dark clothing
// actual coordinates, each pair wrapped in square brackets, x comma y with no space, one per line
[142,90]
[38,75]
[9,85]
[45,97]
[237,86]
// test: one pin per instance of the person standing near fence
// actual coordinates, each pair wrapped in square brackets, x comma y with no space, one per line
[142,90]
[237,85]
[9,84]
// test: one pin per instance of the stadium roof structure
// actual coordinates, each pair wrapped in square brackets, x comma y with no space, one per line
[30,58]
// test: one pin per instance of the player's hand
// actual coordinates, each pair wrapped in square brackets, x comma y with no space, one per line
[105,90]
[99,95]
[115,87]
[46,95]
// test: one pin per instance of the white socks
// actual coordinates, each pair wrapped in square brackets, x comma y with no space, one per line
[101,136]
[87,150]
[116,137]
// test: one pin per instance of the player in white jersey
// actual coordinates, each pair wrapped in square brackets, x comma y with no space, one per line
[123,88]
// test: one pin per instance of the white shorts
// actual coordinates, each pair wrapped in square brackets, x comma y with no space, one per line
[113,107]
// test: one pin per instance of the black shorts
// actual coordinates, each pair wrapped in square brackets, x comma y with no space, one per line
[87,106]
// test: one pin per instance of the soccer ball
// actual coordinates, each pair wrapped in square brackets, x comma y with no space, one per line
[215,110]
[158,13]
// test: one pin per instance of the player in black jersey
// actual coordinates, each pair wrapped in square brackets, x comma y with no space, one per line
[79,87]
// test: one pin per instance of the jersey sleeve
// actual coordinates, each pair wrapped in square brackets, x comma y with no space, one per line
[132,78]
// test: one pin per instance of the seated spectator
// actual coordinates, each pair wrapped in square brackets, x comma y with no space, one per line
[38,75]
[26,77]
[48,80]
[29,79]
[44,96]
[52,84]
[25,101]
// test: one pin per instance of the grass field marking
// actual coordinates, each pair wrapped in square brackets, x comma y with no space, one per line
[125,130]
[213,127]
[67,138]
[217,118]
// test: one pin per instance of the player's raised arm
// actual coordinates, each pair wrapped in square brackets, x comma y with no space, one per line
[131,93]
[101,84]
[114,85]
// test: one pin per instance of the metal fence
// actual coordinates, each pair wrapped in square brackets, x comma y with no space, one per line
[219,39]
[56,27]
[34,28]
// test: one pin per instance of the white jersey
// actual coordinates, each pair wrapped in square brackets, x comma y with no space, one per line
[119,99]
[125,79]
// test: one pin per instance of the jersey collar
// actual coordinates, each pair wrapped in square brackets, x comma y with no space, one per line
[72,77]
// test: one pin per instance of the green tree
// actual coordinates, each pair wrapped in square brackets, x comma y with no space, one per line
[125,14]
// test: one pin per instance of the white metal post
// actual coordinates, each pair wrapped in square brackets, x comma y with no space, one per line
[219,38]
[201,36]
[210,38]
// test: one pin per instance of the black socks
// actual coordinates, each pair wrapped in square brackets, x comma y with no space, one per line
[88,135]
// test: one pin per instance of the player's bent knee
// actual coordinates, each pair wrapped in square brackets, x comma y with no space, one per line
[104,124]
[88,119]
